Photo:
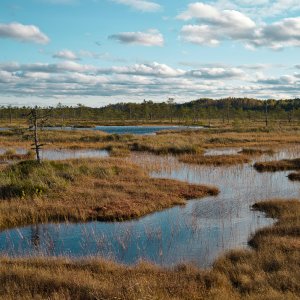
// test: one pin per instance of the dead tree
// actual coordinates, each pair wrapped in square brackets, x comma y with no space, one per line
[36,120]
[266,113]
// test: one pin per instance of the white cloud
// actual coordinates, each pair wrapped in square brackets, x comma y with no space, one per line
[153,69]
[23,33]
[234,22]
[153,80]
[200,35]
[6,77]
[261,8]
[141,5]
[66,66]
[282,80]
[217,73]
[285,33]
[66,54]
[151,37]
[214,26]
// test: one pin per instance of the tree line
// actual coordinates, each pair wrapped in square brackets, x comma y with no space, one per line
[226,109]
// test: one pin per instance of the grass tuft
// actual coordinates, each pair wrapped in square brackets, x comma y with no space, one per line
[255,151]
[215,160]
[280,165]
[11,154]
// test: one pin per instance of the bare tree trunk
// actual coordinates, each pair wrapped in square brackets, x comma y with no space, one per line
[36,139]
[35,120]
[266,114]
[10,115]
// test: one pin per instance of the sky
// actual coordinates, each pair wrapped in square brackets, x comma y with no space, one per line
[99,52]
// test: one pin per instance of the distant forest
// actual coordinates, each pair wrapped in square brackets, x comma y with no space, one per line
[226,109]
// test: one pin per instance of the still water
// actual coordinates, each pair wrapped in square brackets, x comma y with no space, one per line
[61,154]
[197,232]
[139,130]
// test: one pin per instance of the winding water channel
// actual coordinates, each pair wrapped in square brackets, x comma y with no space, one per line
[197,232]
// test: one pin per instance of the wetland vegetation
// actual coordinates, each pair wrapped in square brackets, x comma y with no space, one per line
[106,190]
[121,187]
[270,271]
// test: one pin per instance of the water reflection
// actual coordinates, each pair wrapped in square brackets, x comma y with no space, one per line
[62,154]
[52,154]
[197,232]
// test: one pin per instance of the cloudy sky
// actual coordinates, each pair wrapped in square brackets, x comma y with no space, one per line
[96,52]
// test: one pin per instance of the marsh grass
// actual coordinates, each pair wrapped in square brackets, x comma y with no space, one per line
[97,279]
[121,151]
[82,190]
[295,176]
[215,160]
[256,151]
[272,271]
[11,154]
[280,165]
[167,147]
[183,142]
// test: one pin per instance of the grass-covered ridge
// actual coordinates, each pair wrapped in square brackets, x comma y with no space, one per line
[81,190]
[278,165]
[215,160]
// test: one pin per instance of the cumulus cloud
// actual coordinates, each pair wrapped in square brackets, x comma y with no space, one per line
[153,69]
[23,33]
[66,55]
[278,35]
[214,26]
[151,37]
[230,19]
[261,8]
[141,5]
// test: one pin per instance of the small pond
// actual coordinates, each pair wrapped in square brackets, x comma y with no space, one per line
[140,130]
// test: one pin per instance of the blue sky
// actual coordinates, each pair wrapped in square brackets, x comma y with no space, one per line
[97,52]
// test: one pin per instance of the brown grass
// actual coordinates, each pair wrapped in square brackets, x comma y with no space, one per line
[81,190]
[96,279]
[256,151]
[215,160]
[12,155]
[160,146]
[280,165]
